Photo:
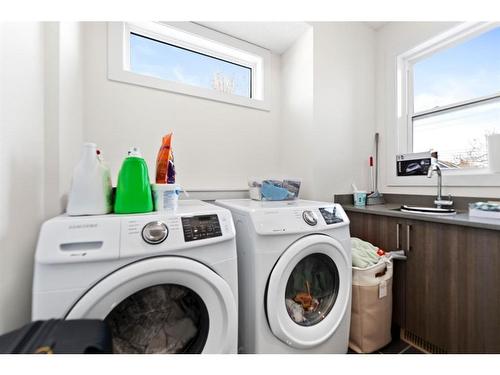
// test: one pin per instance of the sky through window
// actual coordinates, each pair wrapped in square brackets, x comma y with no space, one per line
[157,59]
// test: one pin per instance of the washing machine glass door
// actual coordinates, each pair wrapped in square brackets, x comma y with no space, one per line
[164,305]
[308,291]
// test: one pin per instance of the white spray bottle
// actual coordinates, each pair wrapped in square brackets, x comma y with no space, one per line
[91,188]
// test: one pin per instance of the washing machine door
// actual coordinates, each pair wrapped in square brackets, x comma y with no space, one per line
[309,291]
[164,305]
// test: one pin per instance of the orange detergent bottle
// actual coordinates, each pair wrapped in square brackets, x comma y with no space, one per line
[165,170]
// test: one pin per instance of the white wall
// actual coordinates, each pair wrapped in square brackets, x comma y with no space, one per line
[41,101]
[21,165]
[328,108]
[344,109]
[322,103]
[392,40]
[71,101]
[63,109]
[297,112]
[216,145]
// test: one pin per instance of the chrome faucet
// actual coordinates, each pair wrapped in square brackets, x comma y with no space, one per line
[439,202]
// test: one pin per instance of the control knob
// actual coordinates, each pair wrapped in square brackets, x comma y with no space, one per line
[310,218]
[155,232]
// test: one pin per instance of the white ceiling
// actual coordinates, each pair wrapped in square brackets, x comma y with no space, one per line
[274,36]
[376,25]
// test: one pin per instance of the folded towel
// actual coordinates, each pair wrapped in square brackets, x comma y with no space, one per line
[364,254]
[486,206]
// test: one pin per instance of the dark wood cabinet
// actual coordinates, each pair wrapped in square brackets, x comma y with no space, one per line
[447,292]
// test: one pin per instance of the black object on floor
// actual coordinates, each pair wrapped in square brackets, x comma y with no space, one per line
[58,337]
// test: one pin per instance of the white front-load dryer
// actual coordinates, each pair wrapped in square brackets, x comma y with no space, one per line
[294,269]
[164,282]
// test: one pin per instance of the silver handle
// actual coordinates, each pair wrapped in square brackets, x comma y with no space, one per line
[408,237]
[398,243]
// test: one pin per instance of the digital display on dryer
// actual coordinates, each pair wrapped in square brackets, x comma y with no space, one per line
[201,227]
[330,215]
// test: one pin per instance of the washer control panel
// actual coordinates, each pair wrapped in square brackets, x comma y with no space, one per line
[201,227]
[194,224]
[330,215]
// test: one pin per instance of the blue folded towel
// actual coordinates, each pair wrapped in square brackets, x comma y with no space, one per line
[272,192]
[486,206]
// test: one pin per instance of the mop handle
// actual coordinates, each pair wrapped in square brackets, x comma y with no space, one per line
[376,161]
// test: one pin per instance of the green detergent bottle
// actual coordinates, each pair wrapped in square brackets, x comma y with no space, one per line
[133,190]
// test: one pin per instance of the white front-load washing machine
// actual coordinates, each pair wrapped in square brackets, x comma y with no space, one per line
[294,269]
[164,282]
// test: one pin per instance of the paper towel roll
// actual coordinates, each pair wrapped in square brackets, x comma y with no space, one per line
[494,153]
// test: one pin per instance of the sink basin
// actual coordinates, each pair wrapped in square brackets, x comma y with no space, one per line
[426,210]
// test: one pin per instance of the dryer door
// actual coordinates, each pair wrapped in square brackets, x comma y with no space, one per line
[164,305]
[309,291]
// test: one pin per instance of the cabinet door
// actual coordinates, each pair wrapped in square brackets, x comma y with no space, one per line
[430,279]
[384,232]
[378,230]
[453,287]
[477,290]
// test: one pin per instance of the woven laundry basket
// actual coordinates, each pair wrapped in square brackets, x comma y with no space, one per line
[371,307]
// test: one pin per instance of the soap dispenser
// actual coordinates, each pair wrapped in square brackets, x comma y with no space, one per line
[133,190]
[91,187]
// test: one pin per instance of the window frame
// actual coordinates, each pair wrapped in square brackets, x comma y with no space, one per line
[199,39]
[404,106]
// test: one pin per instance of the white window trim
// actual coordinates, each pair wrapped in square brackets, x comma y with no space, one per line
[199,39]
[404,108]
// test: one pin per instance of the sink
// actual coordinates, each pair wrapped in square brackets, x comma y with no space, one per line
[426,210]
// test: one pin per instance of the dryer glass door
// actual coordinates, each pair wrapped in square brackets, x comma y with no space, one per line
[312,289]
[164,305]
[308,294]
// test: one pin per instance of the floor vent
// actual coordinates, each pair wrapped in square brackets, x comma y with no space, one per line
[420,343]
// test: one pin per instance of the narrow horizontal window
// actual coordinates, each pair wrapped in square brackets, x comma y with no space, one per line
[189,59]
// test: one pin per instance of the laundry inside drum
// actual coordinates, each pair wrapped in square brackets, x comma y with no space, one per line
[161,319]
[312,289]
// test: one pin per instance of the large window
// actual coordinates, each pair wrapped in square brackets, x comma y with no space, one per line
[453,97]
[187,58]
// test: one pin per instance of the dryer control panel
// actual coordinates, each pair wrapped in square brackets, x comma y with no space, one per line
[201,227]
[330,215]
[299,218]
